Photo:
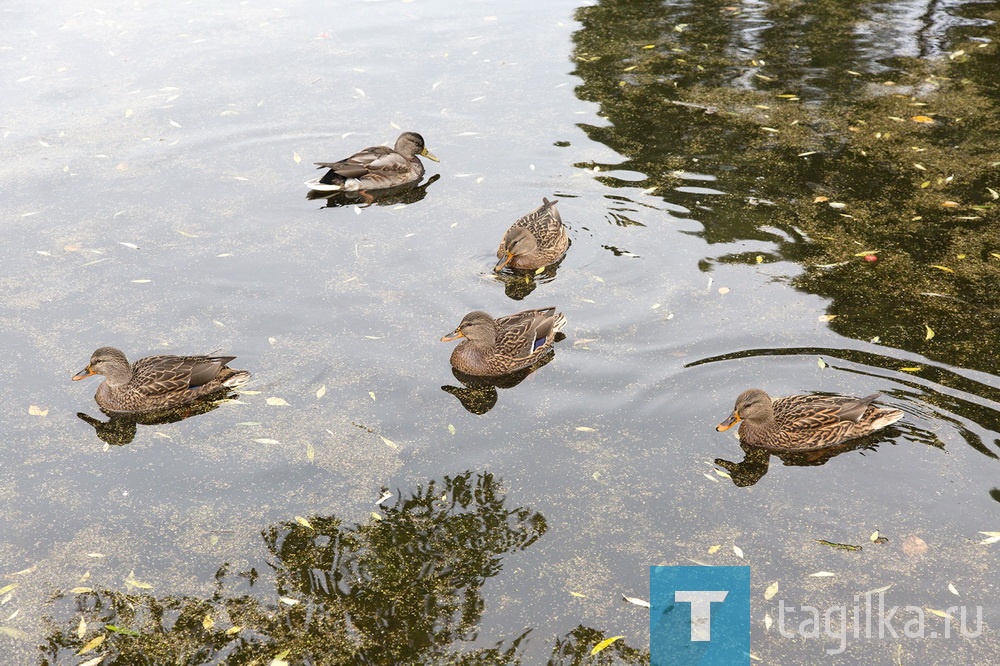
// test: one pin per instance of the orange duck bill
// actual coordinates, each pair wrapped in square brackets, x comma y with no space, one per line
[733,419]
[503,262]
[454,335]
[83,374]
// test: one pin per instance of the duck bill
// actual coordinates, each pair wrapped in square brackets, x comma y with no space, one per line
[83,374]
[503,262]
[733,419]
[454,335]
[426,153]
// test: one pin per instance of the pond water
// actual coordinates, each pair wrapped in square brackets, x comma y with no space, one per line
[800,198]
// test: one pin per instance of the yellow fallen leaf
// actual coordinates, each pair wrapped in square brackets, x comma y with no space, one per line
[233,630]
[942,268]
[821,199]
[295,156]
[760,259]
[771,590]
[822,574]
[820,362]
[605,643]
[585,429]
[388,442]
[723,290]
[35,410]
[950,204]
[934,611]
[874,537]
[7,588]
[93,643]
[577,594]
[930,332]
[305,523]
[712,550]
[321,391]
[866,253]
[913,368]
[81,590]
[277,402]
[923,119]
[310,452]
[827,317]
[208,622]
[81,629]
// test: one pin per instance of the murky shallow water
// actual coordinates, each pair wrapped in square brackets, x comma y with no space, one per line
[187,132]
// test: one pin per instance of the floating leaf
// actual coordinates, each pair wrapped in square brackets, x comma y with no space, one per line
[81,590]
[35,410]
[93,643]
[371,394]
[712,550]
[304,522]
[723,290]
[951,588]
[771,590]
[874,537]
[388,442]
[913,368]
[822,574]
[321,391]
[131,581]
[942,268]
[914,546]
[233,630]
[993,193]
[7,588]
[923,119]
[377,517]
[738,551]
[277,402]
[81,629]
[605,643]
[636,601]
[767,622]
[821,199]
[930,332]
[295,156]
[207,622]
[129,245]
[265,440]
[288,601]
[585,429]
[14,632]
[577,594]
[820,362]
[827,317]
[760,259]
[934,611]
[451,429]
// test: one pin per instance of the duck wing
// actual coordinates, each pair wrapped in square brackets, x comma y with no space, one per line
[376,158]
[811,412]
[525,333]
[157,375]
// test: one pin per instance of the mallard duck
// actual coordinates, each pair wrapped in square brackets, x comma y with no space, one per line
[534,241]
[375,168]
[803,422]
[158,382]
[494,347]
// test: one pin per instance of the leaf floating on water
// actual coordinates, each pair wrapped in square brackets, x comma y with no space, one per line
[767,622]
[950,204]
[820,362]
[93,643]
[953,590]
[914,368]
[930,332]
[993,193]
[738,551]
[132,246]
[35,410]
[321,391]
[914,546]
[131,581]
[605,643]
[451,429]
[233,630]
[540,270]
[81,590]
[723,290]
[991,537]
[585,429]
[377,517]
[81,629]
[837,205]
[942,268]
[841,546]
[760,259]
[391,444]
[923,119]
[578,595]
[264,440]
[822,574]
[874,537]
[371,394]
[827,317]
[710,477]
[821,199]
[288,601]
[724,475]
[386,495]
[934,611]
[771,590]
[712,550]
[175,123]
[310,452]
[304,522]
[141,281]
[295,156]
[277,402]
[636,601]
[207,622]
[15,633]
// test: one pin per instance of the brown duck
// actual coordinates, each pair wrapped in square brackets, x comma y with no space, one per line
[495,347]
[158,382]
[805,422]
[376,167]
[534,241]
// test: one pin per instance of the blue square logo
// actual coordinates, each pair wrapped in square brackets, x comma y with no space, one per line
[699,615]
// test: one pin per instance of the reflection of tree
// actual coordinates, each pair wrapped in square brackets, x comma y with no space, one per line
[786,103]
[404,588]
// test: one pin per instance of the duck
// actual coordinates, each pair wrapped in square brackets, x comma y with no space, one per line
[805,422]
[496,347]
[158,382]
[375,167]
[534,241]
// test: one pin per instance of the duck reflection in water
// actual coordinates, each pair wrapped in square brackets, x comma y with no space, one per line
[121,427]
[517,284]
[479,394]
[391,196]
[755,461]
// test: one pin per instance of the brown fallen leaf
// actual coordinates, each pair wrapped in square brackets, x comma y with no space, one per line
[914,546]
